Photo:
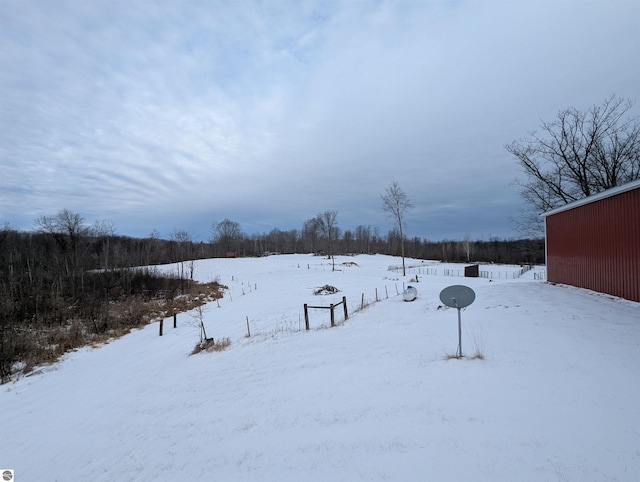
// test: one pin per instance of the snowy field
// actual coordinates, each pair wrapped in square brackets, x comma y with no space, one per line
[556,397]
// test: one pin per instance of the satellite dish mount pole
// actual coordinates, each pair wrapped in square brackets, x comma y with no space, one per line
[459,329]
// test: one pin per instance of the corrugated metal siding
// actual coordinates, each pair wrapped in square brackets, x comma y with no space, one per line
[597,246]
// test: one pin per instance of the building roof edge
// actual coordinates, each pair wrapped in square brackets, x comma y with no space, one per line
[596,197]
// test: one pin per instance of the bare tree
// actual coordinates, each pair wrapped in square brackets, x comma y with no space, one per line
[310,231]
[363,238]
[182,241]
[577,155]
[69,231]
[226,233]
[66,228]
[396,203]
[348,239]
[467,247]
[328,224]
[104,230]
[198,316]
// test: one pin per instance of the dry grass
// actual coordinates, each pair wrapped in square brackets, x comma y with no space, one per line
[449,356]
[479,339]
[479,342]
[209,345]
[221,345]
[41,345]
[477,355]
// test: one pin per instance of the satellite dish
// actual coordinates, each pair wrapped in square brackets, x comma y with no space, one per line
[457,296]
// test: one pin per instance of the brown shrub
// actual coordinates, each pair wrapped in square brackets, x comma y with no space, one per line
[210,345]
[29,346]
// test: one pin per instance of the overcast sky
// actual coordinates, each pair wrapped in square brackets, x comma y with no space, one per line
[164,115]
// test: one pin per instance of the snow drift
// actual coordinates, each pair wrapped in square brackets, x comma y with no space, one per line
[375,398]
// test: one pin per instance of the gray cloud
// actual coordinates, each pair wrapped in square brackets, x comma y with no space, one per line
[163,115]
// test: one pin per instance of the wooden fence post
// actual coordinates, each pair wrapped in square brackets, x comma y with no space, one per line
[332,317]
[175,320]
[306,316]
[161,322]
[346,312]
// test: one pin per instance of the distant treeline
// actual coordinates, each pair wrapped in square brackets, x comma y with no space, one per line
[68,284]
[228,238]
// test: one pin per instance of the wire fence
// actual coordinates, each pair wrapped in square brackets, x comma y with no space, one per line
[512,273]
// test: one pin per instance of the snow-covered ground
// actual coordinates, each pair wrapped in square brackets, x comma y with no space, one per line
[556,397]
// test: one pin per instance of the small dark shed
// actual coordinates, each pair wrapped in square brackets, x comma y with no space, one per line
[472,271]
[594,243]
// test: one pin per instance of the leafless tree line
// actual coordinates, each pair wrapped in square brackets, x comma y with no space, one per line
[67,284]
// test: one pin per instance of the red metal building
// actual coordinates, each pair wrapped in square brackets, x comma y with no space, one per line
[594,243]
